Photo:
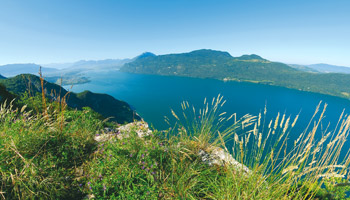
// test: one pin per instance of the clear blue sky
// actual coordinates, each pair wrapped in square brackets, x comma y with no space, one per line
[291,31]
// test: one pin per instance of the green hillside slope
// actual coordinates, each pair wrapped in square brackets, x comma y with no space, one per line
[5,95]
[252,68]
[104,104]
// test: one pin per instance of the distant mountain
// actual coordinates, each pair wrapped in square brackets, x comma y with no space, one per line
[71,73]
[90,64]
[76,73]
[146,54]
[303,68]
[221,65]
[2,77]
[104,104]
[16,69]
[208,63]
[326,68]
[322,68]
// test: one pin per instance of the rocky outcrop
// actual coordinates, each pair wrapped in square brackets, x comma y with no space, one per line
[219,156]
[140,127]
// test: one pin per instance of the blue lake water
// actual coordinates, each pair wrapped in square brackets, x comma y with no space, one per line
[153,96]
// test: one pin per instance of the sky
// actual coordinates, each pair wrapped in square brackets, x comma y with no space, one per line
[289,31]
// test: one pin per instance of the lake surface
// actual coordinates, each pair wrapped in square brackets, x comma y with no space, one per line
[153,96]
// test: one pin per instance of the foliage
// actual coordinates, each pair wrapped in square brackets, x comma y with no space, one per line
[5,95]
[335,188]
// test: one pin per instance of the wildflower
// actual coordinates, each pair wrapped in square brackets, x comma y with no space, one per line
[146,150]
[143,155]
[147,169]
[143,162]
[110,155]
[89,183]
[153,173]
[130,155]
[90,188]
[151,166]
[123,143]
[104,188]
[143,167]
[97,134]
[80,185]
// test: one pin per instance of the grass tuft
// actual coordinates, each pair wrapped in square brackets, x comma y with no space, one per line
[48,151]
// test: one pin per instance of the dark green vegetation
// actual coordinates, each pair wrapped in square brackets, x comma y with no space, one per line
[108,106]
[119,111]
[5,95]
[251,68]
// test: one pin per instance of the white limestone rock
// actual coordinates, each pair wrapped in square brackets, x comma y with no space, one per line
[219,156]
[140,127]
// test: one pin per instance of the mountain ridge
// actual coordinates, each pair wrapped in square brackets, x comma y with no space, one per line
[327,68]
[10,70]
[220,65]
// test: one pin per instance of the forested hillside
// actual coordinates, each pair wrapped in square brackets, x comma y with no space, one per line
[250,68]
